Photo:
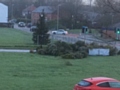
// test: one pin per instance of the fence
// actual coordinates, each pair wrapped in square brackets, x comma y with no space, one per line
[86,38]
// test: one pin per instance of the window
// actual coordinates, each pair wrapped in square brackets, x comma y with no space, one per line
[105,84]
[84,83]
[114,84]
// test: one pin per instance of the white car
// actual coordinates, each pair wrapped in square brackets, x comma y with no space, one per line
[21,24]
[60,31]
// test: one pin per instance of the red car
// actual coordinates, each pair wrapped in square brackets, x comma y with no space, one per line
[98,83]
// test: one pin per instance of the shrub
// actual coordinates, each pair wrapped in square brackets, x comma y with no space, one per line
[37,49]
[78,55]
[83,48]
[32,51]
[41,51]
[56,48]
[77,45]
[60,48]
[68,56]
[84,53]
[113,51]
[68,63]
[51,49]
[80,43]
[93,45]
[63,47]
[118,53]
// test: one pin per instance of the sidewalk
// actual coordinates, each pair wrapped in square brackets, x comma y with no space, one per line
[15,50]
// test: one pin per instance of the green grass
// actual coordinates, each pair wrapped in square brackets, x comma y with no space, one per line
[13,37]
[75,31]
[78,31]
[25,71]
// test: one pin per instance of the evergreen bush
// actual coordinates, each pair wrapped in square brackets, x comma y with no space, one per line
[118,53]
[68,56]
[68,63]
[41,51]
[51,49]
[113,51]
[78,55]
[77,45]
[83,48]
[85,54]
[63,47]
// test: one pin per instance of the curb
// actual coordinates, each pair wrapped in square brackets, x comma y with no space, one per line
[15,50]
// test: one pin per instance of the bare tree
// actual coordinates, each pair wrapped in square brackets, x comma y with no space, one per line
[109,12]
[108,5]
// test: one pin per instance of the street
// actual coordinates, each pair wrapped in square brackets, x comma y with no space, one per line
[26,29]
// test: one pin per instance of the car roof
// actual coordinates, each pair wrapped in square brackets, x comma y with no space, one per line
[21,22]
[99,79]
[61,29]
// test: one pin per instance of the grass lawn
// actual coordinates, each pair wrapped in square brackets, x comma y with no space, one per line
[78,31]
[12,37]
[75,31]
[25,71]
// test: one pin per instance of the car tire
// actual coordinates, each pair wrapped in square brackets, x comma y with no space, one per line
[63,33]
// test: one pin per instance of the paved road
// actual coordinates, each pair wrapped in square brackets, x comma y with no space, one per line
[26,29]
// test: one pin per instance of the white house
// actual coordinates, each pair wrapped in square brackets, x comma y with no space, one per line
[3,13]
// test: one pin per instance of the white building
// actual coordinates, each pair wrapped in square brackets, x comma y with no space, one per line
[3,13]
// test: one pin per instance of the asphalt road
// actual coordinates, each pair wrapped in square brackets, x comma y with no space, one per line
[26,29]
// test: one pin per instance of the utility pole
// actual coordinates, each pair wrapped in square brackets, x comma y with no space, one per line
[58,11]
[90,2]
[91,16]
[12,5]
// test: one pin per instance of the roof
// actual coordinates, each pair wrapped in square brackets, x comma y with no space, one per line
[99,79]
[117,25]
[108,28]
[47,9]
[29,8]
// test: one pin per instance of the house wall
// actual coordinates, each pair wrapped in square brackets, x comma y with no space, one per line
[35,17]
[28,10]
[3,13]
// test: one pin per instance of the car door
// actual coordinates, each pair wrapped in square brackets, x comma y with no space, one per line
[59,32]
[114,85]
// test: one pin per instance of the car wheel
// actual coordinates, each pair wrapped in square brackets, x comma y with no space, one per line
[63,33]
